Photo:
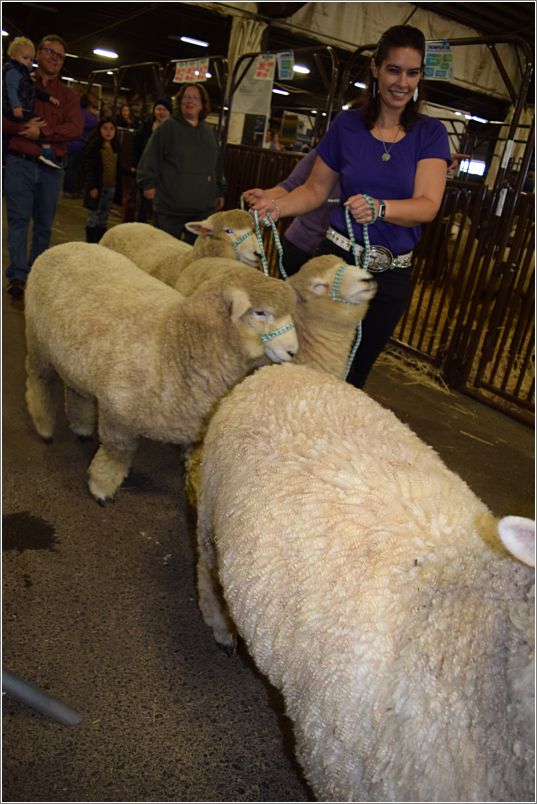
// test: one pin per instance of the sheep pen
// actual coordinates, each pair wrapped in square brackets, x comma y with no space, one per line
[227,234]
[372,588]
[137,358]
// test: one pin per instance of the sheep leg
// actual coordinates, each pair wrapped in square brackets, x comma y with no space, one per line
[41,381]
[81,413]
[213,607]
[112,461]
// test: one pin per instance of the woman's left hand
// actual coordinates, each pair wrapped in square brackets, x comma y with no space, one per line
[360,209]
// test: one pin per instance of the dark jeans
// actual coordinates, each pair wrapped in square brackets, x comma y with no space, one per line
[32,191]
[174,224]
[394,289]
[293,256]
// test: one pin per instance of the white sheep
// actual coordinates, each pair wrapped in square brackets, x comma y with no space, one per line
[332,298]
[371,587]
[224,234]
[153,363]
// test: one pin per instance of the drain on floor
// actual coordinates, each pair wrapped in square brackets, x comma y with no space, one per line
[23,531]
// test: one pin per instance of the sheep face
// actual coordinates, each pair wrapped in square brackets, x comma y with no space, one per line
[265,333]
[227,234]
[328,276]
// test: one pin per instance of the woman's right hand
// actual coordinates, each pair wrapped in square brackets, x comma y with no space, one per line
[253,196]
[262,204]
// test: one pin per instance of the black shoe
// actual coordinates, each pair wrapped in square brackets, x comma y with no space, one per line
[16,288]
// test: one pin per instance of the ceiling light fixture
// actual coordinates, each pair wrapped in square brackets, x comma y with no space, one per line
[280,92]
[4,33]
[360,85]
[107,54]
[71,56]
[298,68]
[190,41]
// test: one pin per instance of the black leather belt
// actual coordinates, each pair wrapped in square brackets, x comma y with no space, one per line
[29,157]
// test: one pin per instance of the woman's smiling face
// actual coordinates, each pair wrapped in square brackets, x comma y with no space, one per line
[398,76]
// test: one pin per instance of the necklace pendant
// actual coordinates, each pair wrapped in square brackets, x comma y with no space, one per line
[385,157]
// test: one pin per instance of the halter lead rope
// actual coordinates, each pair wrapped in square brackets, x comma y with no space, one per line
[267,221]
[364,264]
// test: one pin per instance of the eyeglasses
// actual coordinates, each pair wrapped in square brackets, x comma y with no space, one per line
[192,98]
[53,53]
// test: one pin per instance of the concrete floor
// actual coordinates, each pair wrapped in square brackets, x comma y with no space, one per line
[100,607]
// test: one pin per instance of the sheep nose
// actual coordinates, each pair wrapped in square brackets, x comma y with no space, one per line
[292,352]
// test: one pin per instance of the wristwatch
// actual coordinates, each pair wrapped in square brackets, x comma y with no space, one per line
[382,210]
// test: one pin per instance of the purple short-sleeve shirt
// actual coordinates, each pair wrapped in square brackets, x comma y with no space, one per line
[351,150]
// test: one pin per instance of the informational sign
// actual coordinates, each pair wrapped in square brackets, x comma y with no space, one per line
[189,71]
[286,63]
[438,61]
[265,65]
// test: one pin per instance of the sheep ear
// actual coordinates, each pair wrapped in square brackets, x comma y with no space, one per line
[319,287]
[200,228]
[238,302]
[518,535]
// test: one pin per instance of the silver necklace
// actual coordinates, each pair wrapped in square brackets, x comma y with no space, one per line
[386,156]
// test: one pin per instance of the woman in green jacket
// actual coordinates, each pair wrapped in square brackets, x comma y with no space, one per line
[181,169]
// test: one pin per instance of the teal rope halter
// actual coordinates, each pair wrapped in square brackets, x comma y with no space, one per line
[281,331]
[267,221]
[364,264]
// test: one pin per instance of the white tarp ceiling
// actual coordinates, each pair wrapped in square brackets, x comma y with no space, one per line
[351,25]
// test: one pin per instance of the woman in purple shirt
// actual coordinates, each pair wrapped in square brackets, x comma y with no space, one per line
[391,163]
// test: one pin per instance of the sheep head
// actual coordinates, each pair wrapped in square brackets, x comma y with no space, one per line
[261,309]
[331,280]
[226,234]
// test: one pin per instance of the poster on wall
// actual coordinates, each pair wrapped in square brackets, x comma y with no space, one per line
[264,67]
[188,71]
[438,61]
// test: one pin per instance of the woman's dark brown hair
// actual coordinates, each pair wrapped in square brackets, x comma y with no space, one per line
[205,102]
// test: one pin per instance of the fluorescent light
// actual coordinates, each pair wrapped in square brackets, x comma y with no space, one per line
[66,78]
[360,85]
[298,68]
[4,33]
[459,114]
[478,119]
[72,56]
[208,75]
[314,111]
[191,41]
[280,92]
[108,54]
[347,106]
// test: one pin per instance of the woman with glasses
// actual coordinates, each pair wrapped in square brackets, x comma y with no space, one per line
[181,169]
[391,163]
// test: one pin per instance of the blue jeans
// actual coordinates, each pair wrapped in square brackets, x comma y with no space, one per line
[99,216]
[32,191]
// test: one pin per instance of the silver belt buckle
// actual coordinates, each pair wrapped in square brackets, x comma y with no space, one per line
[380,259]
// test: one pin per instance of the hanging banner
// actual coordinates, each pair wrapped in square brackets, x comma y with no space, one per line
[265,65]
[189,71]
[438,61]
[286,62]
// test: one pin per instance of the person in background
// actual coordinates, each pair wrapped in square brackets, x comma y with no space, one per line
[391,163]
[162,109]
[126,119]
[181,169]
[272,140]
[102,182]
[72,180]
[31,188]
[19,91]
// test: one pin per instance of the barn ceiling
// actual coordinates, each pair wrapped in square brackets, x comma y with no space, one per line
[149,32]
